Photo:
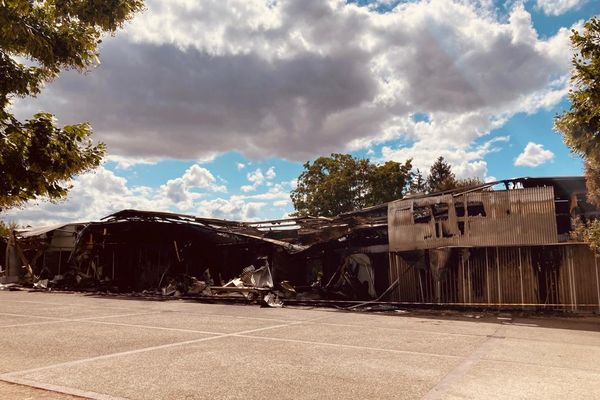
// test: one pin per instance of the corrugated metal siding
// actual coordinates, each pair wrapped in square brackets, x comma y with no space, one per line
[505,277]
[512,217]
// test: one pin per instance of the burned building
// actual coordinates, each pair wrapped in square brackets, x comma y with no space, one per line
[146,251]
[47,249]
[502,244]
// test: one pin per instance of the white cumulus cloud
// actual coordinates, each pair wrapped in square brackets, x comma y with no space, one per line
[533,155]
[299,79]
[558,7]
[257,178]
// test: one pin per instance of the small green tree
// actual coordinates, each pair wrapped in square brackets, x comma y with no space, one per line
[330,186]
[37,158]
[580,125]
[441,177]
[418,183]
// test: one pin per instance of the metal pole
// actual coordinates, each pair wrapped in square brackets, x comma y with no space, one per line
[158,263]
[499,287]
[421,287]
[574,282]
[487,275]
[462,278]
[597,280]
[469,276]
[395,262]
[521,276]
[567,255]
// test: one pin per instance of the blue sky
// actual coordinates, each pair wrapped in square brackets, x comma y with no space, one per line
[211,112]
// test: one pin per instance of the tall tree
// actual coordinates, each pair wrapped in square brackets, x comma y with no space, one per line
[418,183]
[387,182]
[580,125]
[39,38]
[340,183]
[441,177]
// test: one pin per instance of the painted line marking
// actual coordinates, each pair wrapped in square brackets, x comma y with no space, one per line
[57,320]
[401,329]
[162,328]
[440,390]
[145,309]
[61,389]
[142,350]
[347,346]
[49,303]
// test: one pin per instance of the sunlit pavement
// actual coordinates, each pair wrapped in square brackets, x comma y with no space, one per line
[56,346]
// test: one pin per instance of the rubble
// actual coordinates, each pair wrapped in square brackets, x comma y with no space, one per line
[272,300]
[9,286]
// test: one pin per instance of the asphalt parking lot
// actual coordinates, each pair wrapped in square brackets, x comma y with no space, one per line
[57,346]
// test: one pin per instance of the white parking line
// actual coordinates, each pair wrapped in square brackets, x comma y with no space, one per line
[142,350]
[412,330]
[57,320]
[48,303]
[61,389]
[440,390]
[162,328]
[347,346]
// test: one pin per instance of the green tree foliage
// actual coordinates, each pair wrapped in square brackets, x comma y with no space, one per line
[441,177]
[6,229]
[588,231]
[580,125]
[330,186]
[387,182]
[418,183]
[38,39]
[468,182]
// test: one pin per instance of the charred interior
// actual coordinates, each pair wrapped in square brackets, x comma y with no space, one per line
[174,254]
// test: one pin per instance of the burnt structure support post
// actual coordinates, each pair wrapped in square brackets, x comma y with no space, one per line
[462,279]
[572,279]
[499,285]
[487,275]
[421,287]
[597,280]
[469,278]
[521,278]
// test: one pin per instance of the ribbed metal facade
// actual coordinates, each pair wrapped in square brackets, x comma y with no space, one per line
[505,277]
[517,217]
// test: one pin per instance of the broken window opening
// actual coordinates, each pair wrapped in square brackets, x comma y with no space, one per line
[461,227]
[563,216]
[440,211]
[422,215]
[446,230]
[476,209]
